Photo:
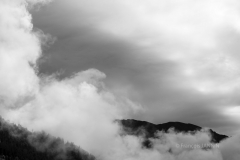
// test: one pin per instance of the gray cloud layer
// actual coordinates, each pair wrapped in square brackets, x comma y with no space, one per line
[178,59]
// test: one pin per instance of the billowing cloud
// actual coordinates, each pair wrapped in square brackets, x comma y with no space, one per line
[18,78]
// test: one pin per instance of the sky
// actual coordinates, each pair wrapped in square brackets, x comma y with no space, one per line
[178,60]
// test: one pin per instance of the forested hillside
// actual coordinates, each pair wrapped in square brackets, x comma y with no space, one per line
[17,143]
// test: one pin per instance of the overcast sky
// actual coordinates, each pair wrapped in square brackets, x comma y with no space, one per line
[178,59]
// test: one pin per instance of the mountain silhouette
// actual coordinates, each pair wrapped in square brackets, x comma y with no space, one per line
[149,130]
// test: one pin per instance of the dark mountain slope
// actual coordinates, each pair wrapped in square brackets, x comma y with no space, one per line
[149,130]
[17,143]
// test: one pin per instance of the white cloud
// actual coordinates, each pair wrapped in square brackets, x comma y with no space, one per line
[189,146]
[19,47]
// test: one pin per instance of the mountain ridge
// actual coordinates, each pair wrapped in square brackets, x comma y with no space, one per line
[149,130]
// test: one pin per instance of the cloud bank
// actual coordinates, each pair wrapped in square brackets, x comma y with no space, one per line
[78,108]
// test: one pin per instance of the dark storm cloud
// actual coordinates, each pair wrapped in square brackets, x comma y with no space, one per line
[176,74]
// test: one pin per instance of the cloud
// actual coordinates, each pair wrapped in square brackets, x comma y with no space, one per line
[177,146]
[197,146]
[188,146]
[18,78]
